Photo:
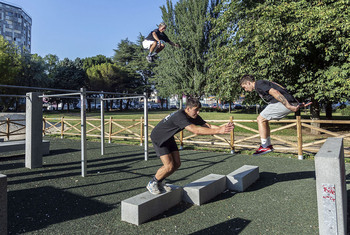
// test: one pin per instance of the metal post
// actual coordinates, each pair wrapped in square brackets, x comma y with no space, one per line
[145,110]
[102,126]
[83,131]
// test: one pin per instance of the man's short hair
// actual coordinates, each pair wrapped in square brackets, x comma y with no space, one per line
[193,102]
[161,25]
[247,78]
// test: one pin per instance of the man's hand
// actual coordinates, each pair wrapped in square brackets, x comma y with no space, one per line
[226,128]
[301,105]
[177,45]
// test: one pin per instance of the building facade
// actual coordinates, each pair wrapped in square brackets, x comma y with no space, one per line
[16,26]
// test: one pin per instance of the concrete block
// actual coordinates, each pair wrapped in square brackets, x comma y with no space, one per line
[18,145]
[34,135]
[143,207]
[240,179]
[3,204]
[331,187]
[204,189]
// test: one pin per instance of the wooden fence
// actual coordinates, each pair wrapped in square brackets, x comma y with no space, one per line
[12,128]
[133,129]
[297,138]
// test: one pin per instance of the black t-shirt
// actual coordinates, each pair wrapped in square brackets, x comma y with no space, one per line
[172,124]
[161,36]
[263,87]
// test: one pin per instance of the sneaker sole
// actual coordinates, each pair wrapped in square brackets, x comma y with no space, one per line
[154,193]
[262,153]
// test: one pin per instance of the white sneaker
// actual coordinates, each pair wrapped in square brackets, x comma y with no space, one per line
[152,187]
[163,187]
[149,59]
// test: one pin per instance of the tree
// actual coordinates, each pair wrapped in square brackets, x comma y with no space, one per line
[91,61]
[301,44]
[33,71]
[68,76]
[131,56]
[10,63]
[184,71]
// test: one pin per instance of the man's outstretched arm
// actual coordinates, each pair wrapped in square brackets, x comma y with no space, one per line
[210,129]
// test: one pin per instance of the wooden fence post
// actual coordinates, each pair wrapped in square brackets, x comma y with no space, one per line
[8,128]
[181,140]
[44,125]
[300,138]
[62,127]
[141,132]
[232,135]
[110,130]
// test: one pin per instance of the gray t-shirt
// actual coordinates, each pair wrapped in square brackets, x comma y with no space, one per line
[172,124]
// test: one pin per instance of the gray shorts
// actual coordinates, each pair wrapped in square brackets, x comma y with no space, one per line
[275,111]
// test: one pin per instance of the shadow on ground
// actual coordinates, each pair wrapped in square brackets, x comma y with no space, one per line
[37,208]
[233,226]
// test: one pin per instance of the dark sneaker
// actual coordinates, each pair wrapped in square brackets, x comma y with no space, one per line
[149,59]
[163,187]
[152,187]
[261,150]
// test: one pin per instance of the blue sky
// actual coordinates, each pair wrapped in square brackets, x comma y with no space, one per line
[85,28]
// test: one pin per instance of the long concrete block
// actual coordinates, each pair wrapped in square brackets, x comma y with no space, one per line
[204,189]
[331,187]
[240,179]
[143,207]
[18,145]
[3,204]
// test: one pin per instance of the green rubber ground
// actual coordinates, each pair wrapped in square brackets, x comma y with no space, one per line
[55,199]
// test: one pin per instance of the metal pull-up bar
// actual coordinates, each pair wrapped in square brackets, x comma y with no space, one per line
[145,108]
[35,103]
[82,95]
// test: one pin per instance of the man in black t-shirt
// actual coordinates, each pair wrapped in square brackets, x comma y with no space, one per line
[164,143]
[155,42]
[280,104]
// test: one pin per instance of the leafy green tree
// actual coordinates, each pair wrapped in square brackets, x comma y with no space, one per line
[10,63]
[132,57]
[68,76]
[10,66]
[33,71]
[184,71]
[91,61]
[301,44]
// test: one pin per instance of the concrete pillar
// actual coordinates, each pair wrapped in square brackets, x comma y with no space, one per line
[34,138]
[331,188]
[3,204]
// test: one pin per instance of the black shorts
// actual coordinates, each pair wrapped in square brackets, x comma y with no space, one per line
[165,148]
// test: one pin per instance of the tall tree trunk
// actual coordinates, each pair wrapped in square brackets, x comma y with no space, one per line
[315,115]
[110,105]
[329,110]
[121,105]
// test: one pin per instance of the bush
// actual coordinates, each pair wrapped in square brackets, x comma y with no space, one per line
[345,111]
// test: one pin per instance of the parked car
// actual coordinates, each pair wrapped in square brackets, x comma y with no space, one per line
[173,106]
[226,106]
[238,106]
[155,106]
